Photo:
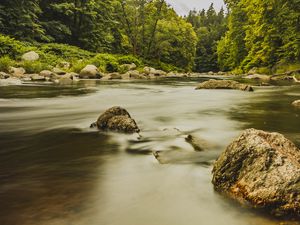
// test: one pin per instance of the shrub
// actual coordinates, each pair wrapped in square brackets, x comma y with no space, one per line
[106,62]
[34,66]
[128,59]
[65,51]
[263,70]
[5,63]
[78,65]
[13,48]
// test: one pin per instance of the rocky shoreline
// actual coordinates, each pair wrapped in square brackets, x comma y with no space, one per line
[62,74]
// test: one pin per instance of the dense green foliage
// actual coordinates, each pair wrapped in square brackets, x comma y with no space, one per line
[262,33]
[144,28]
[51,55]
[254,33]
[210,26]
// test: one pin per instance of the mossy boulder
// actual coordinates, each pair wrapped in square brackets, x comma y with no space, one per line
[116,119]
[224,84]
[261,169]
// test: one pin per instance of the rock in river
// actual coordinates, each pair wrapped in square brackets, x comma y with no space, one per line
[224,84]
[116,119]
[296,103]
[262,169]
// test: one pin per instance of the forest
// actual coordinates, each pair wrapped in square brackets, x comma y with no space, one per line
[247,34]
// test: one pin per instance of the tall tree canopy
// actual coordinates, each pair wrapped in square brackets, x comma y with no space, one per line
[209,26]
[262,33]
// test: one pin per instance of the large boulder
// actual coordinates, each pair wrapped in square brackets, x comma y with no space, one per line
[90,72]
[116,119]
[224,84]
[30,56]
[261,169]
[17,72]
[296,103]
[10,81]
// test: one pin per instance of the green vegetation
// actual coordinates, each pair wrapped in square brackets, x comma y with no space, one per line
[210,26]
[146,29]
[261,34]
[254,33]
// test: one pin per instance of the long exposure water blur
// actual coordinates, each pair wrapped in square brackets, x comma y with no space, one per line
[55,170]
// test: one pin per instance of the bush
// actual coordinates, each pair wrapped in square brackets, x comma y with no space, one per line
[106,62]
[34,66]
[128,59]
[5,63]
[13,48]
[78,65]
[263,70]
[283,68]
[168,67]
[64,51]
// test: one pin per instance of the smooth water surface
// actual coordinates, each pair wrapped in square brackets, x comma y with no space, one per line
[55,170]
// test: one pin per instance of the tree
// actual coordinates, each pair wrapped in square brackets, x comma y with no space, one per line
[20,18]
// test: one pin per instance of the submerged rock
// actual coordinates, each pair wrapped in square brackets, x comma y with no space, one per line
[199,144]
[296,103]
[224,84]
[262,169]
[116,119]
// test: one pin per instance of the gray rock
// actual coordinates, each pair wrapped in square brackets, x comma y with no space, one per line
[263,170]
[127,67]
[258,77]
[30,56]
[68,79]
[90,72]
[37,77]
[296,103]
[224,84]
[10,81]
[150,70]
[134,74]
[115,76]
[4,75]
[47,73]
[198,143]
[117,119]
[58,71]
[17,72]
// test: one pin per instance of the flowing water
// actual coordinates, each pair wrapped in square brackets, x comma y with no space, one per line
[55,170]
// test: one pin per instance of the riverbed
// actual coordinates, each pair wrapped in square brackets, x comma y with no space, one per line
[55,170]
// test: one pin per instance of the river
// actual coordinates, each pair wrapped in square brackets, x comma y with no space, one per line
[55,170]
